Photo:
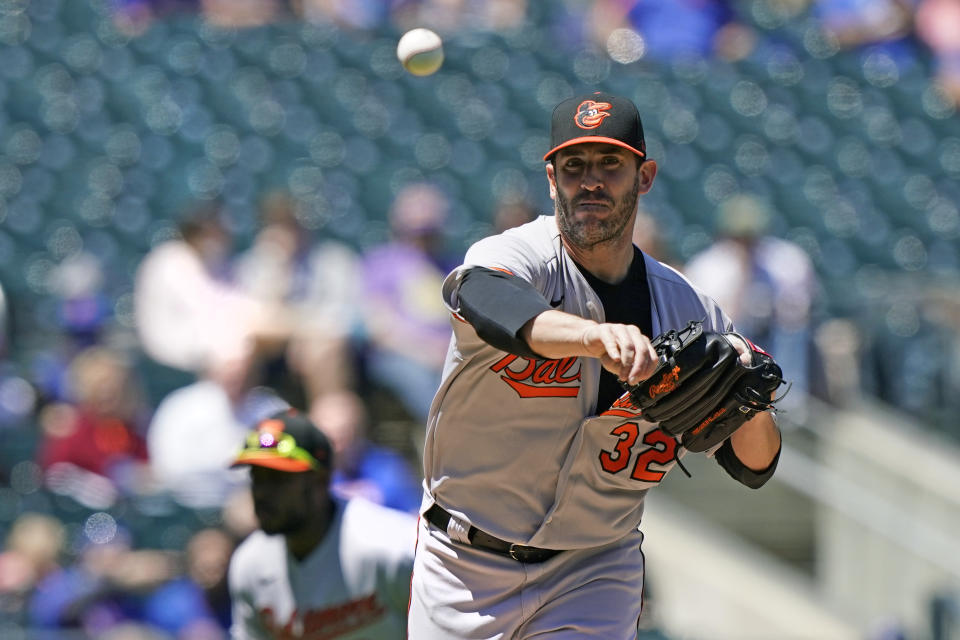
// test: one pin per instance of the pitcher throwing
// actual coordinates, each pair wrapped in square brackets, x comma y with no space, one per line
[536,463]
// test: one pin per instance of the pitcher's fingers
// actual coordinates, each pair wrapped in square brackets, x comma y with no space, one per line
[611,356]
[645,357]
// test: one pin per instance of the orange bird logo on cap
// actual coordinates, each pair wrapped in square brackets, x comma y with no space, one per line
[590,114]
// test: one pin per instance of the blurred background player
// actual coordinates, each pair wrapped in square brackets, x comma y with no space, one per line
[766,284]
[320,566]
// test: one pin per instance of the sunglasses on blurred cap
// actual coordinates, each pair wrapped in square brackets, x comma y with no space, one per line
[286,441]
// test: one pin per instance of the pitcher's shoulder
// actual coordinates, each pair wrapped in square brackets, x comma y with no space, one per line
[665,273]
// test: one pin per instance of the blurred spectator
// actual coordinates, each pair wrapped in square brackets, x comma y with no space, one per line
[195,604]
[938,26]
[858,22]
[361,468]
[196,429]
[32,549]
[839,343]
[406,323]
[134,17]
[187,316]
[318,284]
[453,15]
[512,212]
[113,588]
[361,15]
[767,285]
[84,307]
[83,311]
[239,14]
[670,30]
[104,589]
[92,445]
[647,237]
[321,565]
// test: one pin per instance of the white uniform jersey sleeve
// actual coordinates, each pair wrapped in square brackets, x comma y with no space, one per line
[354,585]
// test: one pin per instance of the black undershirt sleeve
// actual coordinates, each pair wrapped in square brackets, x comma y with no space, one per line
[727,459]
[497,304]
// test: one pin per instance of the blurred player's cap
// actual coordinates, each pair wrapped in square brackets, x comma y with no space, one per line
[286,441]
[596,117]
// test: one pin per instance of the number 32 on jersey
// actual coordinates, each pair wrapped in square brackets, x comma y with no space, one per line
[651,463]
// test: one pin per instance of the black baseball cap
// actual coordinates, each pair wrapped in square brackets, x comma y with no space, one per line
[596,117]
[286,441]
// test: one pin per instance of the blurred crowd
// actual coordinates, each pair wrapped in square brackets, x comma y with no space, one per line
[226,336]
[908,30]
[119,512]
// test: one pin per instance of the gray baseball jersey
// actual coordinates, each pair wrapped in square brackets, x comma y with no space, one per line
[355,584]
[506,445]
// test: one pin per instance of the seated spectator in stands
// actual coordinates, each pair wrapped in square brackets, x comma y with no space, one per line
[407,325]
[187,313]
[362,468]
[84,308]
[103,588]
[647,237]
[92,445]
[512,212]
[856,23]
[323,565]
[318,283]
[83,315]
[194,432]
[110,586]
[670,30]
[134,17]
[196,603]
[766,284]
[33,548]
[938,26]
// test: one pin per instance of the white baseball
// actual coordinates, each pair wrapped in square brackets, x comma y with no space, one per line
[420,51]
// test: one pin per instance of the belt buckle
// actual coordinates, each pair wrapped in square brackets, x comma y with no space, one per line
[523,553]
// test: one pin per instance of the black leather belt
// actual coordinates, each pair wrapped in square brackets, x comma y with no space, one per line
[440,518]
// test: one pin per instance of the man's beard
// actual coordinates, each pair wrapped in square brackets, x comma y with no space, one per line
[585,234]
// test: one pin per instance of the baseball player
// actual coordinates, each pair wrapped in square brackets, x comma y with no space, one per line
[535,468]
[320,566]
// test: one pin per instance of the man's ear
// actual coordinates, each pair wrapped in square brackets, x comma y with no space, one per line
[648,171]
[552,180]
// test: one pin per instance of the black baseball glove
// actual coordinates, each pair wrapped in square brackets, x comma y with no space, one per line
[701,391]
